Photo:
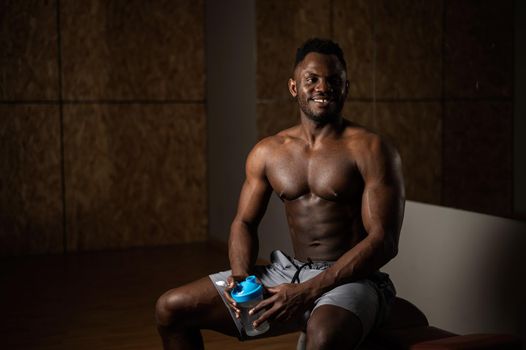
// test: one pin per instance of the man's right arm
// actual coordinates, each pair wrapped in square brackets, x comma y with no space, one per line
[243,243]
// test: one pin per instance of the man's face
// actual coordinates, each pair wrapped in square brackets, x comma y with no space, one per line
[320,86]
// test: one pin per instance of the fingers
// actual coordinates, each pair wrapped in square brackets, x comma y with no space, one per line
[273,290]
[231,284]
[262,305]
[232,303]
[278,306]
[265,316]
[269,303]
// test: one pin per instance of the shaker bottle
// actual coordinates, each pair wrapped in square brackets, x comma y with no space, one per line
[247,294]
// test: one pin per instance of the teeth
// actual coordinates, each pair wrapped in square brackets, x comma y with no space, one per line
[320,100]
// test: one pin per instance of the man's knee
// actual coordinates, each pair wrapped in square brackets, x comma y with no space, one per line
[322,337]
[171,306]
[326,332]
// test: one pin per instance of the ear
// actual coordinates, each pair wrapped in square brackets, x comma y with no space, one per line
[346,91]
[292,87]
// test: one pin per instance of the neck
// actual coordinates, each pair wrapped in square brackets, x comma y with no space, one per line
[315,131]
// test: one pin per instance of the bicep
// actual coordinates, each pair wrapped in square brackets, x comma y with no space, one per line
[256,190]
[253,201]
[382,209]
[383,199]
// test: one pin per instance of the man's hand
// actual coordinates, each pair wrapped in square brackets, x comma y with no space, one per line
[231,282]
[285,303]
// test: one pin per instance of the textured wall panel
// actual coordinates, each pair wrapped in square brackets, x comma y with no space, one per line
[361,113]
[133,49]
[282,26]
[30,187]
[353,31]
[273,117]
[409,45]
[135,175]
[478,156]
[416,130]
[479,48]
[29,52]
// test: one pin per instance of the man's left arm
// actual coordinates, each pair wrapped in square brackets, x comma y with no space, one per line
[383,203]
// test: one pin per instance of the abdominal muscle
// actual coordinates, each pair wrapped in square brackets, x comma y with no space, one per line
[323,230]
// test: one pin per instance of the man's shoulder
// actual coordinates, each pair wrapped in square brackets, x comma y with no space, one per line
[281,138]
[269,147]
[367,142]
[359,136]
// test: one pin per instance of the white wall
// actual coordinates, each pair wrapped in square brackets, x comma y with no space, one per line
[230,36]
[465,270]
[519,111]
[231,119]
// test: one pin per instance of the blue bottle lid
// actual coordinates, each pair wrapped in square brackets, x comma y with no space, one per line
[247,290]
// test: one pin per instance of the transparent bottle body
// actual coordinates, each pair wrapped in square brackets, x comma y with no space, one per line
[247,320]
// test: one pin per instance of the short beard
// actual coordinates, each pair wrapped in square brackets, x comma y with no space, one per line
[322,118]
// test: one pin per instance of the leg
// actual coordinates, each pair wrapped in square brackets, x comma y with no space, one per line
[182,312]
[333,327]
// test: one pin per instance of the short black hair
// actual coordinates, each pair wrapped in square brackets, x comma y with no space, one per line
[323,46]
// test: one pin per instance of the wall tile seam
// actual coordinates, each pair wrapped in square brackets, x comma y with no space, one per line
[404,100]
[261,101]
[60,77]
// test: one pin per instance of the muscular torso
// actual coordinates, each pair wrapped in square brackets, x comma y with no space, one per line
[322,189]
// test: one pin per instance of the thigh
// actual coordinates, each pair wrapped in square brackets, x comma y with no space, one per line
[360,298]
[199,305]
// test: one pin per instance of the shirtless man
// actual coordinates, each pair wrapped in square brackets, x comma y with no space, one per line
[343,193]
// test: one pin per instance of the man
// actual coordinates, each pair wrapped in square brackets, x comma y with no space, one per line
[343,193]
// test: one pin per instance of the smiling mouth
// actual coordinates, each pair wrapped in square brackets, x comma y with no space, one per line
[321,100]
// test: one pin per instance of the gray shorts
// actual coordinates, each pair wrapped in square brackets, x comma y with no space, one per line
[369,299]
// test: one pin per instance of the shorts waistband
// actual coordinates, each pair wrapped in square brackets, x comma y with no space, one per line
[314,265]
[280,256]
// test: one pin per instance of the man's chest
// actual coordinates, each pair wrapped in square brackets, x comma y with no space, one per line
[328,174]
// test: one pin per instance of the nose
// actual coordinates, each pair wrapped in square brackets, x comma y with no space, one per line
[323,85]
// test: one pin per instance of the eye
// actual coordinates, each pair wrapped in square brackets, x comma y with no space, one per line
[310,80]
[335,81]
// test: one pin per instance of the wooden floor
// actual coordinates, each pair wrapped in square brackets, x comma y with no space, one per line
[104,300]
